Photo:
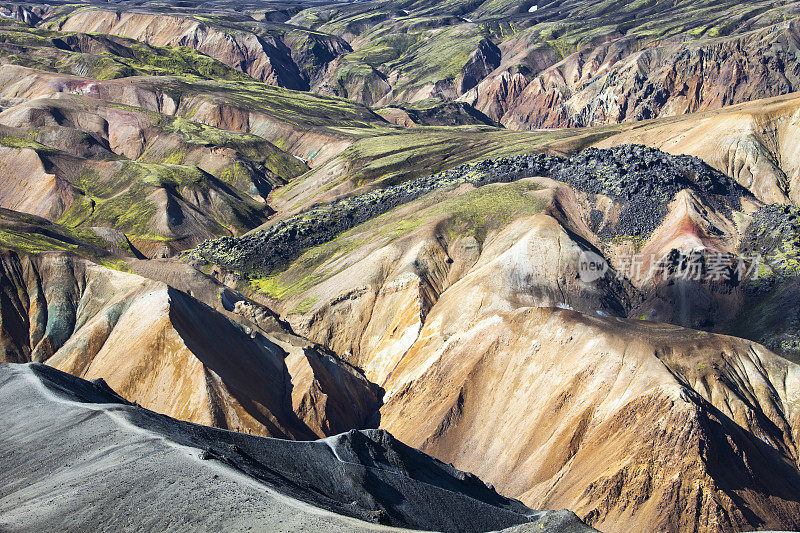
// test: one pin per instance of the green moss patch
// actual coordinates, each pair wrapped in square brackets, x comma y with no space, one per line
[10,141]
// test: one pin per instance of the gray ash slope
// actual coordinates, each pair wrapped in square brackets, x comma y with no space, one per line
[643,179]
[76,457]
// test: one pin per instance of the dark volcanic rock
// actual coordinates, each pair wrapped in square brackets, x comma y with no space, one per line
[644,179]
[774,233]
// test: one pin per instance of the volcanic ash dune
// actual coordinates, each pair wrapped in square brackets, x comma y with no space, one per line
[115,465]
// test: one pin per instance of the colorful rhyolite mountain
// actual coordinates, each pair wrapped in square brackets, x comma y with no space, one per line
[345,221]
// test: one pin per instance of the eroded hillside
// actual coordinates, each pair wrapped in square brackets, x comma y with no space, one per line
[232,367]
[554,244]
[524,64]
[463,280]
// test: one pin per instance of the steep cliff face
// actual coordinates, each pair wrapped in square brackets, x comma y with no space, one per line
[175,355]
[621,81]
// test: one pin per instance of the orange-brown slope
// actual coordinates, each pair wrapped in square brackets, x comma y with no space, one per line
[173,354]
[625,79]
[303,124]
[450,303]
[632,425]
[262,56]
[167,182]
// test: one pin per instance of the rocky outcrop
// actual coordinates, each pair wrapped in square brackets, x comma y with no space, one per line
[756,143]
[497,95]
[30,15]
[483,61]
[619,81]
